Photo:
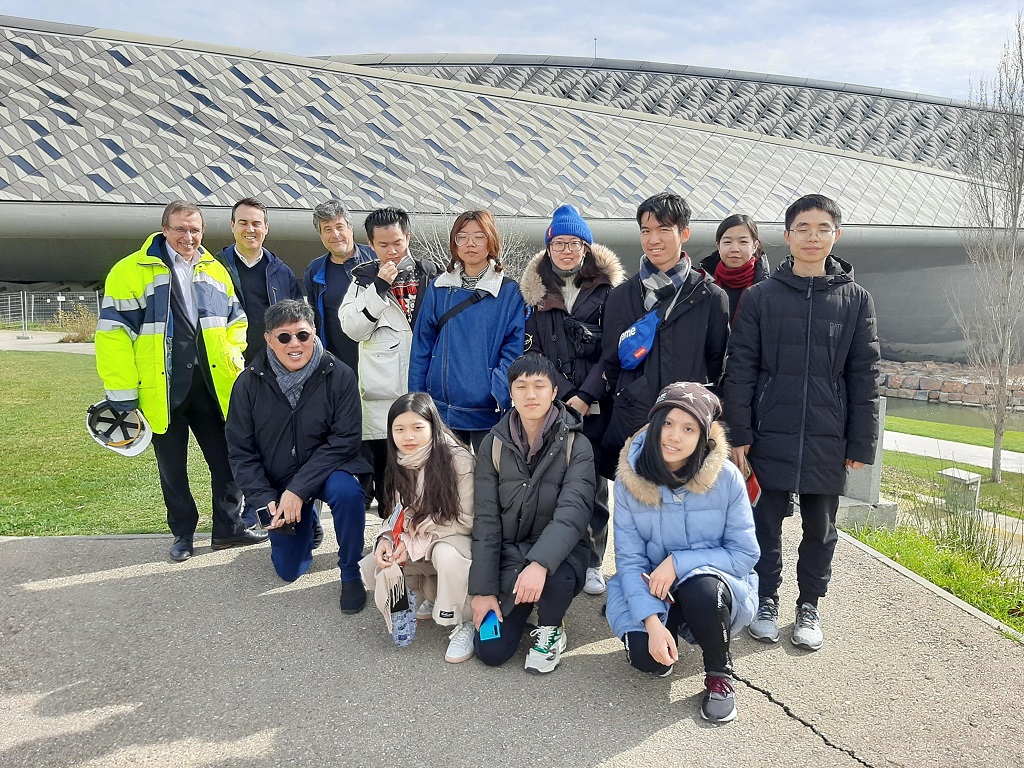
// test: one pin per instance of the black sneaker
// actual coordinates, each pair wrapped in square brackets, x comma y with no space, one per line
[353,596]
[318,535]
[719,702]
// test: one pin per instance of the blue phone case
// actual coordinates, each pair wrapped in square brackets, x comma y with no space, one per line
[490,627]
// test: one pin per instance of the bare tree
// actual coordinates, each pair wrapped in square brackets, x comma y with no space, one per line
[430,238]
[992,157]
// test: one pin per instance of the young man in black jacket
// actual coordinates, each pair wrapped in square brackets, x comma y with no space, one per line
[691,337]
[801,403]
[293,434]
[534,491]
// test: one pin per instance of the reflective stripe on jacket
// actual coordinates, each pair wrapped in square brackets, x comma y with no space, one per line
[133,337]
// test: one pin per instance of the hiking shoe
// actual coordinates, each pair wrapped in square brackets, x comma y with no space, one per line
[460,643]
[719,702]
[425,611]
[765,626]
[595,582]
[546,651]
[807,629]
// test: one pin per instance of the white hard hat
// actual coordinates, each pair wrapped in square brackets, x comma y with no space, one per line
[124,432]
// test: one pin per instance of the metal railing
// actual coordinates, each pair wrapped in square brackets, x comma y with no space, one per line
[35,309]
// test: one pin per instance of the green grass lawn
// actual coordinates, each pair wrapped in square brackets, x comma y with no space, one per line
[56,479]
[1012,441]
[904,473]
[987,590]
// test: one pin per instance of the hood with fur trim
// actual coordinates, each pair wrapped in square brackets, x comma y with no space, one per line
[534,292]
[647,492]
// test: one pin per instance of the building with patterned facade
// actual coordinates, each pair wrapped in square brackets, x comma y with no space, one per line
[99,129]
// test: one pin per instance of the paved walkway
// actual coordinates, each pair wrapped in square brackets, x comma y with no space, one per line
[960,453]
[41,341]
[110,655]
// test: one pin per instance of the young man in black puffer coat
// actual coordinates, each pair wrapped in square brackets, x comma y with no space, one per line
[801,404]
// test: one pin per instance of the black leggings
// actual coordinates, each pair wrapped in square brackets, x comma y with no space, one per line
[704,607]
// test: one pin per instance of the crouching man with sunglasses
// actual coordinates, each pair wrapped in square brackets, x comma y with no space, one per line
[294,431]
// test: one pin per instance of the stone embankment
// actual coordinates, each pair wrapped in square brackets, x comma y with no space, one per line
[943,383]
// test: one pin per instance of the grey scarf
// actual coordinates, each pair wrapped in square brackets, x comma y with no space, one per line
[291,382]
[659,285]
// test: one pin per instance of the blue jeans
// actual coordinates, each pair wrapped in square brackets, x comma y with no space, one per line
[292,553]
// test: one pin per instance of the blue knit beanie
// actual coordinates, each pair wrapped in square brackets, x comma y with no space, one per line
[567,221]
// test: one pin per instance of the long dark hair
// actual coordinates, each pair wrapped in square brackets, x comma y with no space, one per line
[589,271]
[440,496]
[650,464]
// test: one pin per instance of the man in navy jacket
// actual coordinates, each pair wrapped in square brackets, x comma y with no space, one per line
[293,436]
[260,278]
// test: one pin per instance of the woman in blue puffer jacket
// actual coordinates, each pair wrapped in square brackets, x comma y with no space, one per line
[685,547]
[470,327]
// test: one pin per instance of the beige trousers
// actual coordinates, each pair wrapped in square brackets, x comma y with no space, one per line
[442,577]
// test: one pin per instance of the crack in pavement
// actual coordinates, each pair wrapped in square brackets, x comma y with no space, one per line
[810,726]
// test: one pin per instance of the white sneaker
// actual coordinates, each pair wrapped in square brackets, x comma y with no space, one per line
[460,643]
[425,611]
[547,650]
[595,582]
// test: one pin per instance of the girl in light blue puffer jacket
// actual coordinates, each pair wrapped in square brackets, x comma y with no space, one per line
[684,544]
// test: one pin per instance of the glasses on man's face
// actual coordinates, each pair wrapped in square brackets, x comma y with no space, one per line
[284,337]
[805,233]
[573,245]
[478,239]
[186,231]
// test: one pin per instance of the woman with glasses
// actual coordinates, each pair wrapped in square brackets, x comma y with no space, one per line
[470,327]
[739,262]
[565,287]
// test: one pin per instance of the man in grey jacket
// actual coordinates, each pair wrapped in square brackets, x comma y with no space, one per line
[534,496]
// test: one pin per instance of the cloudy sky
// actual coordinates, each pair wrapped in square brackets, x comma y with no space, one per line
[936,47]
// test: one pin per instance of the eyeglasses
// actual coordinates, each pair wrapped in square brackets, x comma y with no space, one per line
[284,337]
[478,239]
[573,245]
[186,231]
[805,232]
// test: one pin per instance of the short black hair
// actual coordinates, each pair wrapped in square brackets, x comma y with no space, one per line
[386,217]
[286,312]
[252,202]
[812,203]
[532,364]
[650,464]
[667,208]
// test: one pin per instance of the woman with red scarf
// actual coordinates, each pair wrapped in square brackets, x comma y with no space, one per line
[739,261]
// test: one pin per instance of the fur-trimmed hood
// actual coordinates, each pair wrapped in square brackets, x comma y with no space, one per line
[534,292]
[650,494]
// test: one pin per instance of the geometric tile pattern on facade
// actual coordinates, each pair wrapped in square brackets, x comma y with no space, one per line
[907,127]
[96,118]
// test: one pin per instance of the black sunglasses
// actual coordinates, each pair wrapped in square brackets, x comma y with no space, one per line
[285,337]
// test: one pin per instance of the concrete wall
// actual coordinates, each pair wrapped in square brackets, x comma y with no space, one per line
[910,272]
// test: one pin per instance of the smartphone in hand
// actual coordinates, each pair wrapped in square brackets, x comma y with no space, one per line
[490,627]
[647,580]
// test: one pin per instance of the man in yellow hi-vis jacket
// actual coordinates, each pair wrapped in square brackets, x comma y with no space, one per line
[169,342]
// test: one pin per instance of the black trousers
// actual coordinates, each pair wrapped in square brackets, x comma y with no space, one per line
[471,438]
[704,607]
[817,545]
[375,452]
[555,599]
[599,517]
[200,413]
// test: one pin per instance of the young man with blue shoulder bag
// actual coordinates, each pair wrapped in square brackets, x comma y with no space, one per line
[667,323]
